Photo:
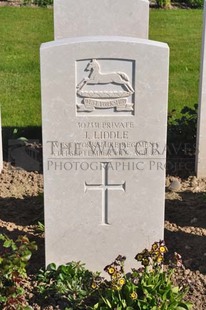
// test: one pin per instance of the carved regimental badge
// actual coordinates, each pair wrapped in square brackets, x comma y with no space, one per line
[104,89]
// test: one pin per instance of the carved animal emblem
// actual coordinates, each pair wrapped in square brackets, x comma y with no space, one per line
[97,77]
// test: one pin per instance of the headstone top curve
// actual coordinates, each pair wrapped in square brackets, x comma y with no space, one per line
[103,39]
[73,18]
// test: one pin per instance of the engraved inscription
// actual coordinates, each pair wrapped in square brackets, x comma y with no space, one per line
[105,187]
[105,125]
[114,95]
[118,104]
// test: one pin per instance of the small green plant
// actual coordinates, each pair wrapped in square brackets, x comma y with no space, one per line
[204,197]
[40,227]
[68,283]
[165,4]
[41,3]
[192,3]
[183,129]
[149,287]
[14,258]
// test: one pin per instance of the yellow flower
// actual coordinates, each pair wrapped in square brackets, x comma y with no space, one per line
[159,259]
[145,252]
[133,295]
[121,281]
[139,257]
[163,249]
[94,285]
[116,275]
[111,270]
[145,262]
[155,246]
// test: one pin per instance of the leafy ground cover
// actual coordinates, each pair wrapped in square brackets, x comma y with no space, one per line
[24,29]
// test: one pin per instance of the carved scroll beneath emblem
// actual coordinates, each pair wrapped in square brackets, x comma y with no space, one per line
[104,99]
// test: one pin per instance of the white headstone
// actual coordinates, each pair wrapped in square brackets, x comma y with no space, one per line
[73,18]
[201,124]
[1,146]
[104,109]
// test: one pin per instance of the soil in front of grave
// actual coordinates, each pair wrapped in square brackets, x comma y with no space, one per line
[21,208]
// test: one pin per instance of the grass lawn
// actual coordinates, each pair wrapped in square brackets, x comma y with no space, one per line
[23,29]
[182,30]
[21,32]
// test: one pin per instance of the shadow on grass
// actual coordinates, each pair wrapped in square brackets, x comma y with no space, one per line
[22,147]
[181,142]
[9,133]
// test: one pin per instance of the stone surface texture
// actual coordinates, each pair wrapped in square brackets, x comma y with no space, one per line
[104,170]
[201,125]
[73,18]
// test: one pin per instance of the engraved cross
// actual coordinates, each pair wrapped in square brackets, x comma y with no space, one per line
[104,187]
